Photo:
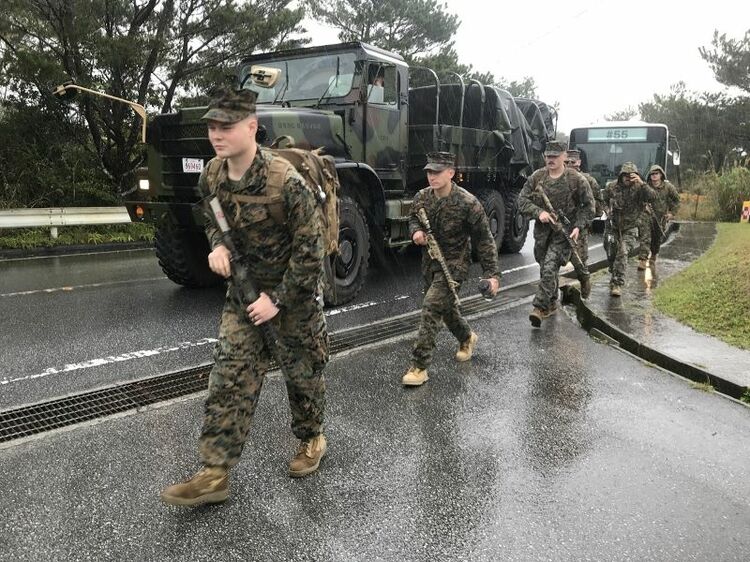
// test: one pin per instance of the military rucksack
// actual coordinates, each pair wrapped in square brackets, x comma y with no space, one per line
[319,174]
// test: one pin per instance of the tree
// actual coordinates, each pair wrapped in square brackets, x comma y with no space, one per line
[730,60]
[622,115]
[711,128]
[146,51]
[525,88]
[411,28]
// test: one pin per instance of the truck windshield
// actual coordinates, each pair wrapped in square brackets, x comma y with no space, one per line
[306,78]
[603,151]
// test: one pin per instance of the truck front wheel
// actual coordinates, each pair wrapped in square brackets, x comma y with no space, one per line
[349,266]
[183,256]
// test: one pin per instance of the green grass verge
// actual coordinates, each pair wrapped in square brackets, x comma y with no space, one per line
[712,295]
[30,238]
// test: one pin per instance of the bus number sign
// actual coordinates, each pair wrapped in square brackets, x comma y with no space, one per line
[620,134]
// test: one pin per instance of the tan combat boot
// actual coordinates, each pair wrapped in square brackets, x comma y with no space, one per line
[414,377]
[307,459]
[209,485]
[642,264]
[536,315]
[466,350]
[615,290]
[585,287]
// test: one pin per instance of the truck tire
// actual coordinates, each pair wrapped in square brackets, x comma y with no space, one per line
[494,208]
[183,256]
[349,265]
[516,225]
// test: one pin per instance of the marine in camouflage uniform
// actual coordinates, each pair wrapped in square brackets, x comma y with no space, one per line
[582,244]
[570,195]
[664,207]
[285,262]
[625,199]
[456,219]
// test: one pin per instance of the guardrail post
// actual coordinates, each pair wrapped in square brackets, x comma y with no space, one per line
[53,232]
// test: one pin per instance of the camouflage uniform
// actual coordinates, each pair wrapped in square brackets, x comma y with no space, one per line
[570,194]
[286,262]
[455,220]
[667,200]
[582,245]
[625,204]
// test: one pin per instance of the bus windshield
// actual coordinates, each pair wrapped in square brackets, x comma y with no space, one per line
[604,150]
[306,78]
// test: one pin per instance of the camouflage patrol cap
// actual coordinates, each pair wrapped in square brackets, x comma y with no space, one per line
[574,153]
[628,168]
[439,161]
[555,148]
[230,106]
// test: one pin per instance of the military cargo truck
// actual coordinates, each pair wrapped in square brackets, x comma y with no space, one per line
[355,101]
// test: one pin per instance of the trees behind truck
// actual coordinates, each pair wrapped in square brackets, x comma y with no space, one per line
[355,102]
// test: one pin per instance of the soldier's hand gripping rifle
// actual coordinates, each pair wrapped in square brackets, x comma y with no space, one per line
[556,225]
[243,283]
[654,218]
[433,248]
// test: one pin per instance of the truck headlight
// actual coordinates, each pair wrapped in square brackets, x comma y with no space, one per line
[143,184]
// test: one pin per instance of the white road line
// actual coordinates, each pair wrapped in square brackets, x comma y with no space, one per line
[74,287]
[335,311]
[129,356]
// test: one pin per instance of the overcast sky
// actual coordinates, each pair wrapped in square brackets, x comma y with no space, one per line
[592,56]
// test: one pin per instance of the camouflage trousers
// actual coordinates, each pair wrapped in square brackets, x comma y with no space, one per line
[625,242]
[241,362]
[438,307]
[644,236]
[582,246]
[551,252]
[650,242]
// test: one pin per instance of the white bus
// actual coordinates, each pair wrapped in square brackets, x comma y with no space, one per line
[605,147]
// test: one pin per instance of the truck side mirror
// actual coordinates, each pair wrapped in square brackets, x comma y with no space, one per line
[676,157]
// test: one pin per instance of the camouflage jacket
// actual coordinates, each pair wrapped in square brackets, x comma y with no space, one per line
[667,199]
[626,204]
[570,194]
[455,220]
[285,260]
[596,191]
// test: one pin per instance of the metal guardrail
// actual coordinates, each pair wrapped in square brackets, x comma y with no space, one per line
[62,216]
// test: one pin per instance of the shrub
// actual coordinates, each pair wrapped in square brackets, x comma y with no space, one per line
[732,188]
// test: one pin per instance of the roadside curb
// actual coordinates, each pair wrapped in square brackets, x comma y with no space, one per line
[590,321]
[16,253]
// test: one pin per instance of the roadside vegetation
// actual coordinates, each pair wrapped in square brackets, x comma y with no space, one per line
[712,294]
[28,238]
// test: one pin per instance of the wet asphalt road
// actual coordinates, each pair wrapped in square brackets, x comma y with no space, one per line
[74,323]
[547,446]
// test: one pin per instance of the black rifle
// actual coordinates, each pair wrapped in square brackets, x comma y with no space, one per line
[655,219]
[578,264]
[243,283]
[433,248]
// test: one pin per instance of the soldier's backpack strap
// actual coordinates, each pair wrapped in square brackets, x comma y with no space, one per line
[213,168]
[273,199]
